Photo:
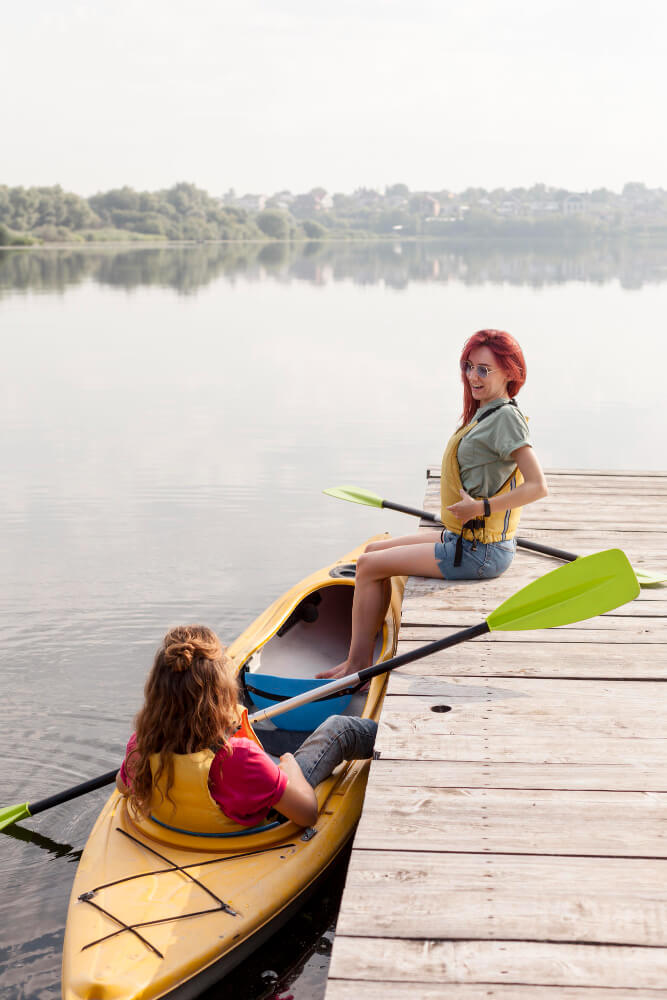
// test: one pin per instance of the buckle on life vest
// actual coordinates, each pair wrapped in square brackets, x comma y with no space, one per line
[475,524]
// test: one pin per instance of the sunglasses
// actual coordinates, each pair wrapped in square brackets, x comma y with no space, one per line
[482,370]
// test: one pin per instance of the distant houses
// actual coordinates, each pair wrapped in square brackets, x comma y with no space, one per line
[399,210]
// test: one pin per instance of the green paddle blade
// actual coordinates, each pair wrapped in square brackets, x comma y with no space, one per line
[355,495]
[582,589]
[650,579]
[12,814]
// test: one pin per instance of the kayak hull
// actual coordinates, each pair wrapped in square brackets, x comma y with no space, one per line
[159,913]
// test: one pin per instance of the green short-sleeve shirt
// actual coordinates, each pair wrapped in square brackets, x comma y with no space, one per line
[485,453]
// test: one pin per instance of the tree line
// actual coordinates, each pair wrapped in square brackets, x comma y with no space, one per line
[185,212]
[182,212]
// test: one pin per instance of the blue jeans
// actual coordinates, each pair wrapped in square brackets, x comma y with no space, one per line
[338,738]
[479,562]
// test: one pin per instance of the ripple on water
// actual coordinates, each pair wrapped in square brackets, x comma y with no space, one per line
[27,970]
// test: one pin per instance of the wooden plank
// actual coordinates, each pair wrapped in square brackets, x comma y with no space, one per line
[625,473]
[515,821]
[648,777]
[549,746]
[437,609]
[654,488]
[640,546]
[348,989]
[617,527]
[466,896]
[433,471]
[471,594]
[638,707]
[597,630]
[496,962]
[536,658]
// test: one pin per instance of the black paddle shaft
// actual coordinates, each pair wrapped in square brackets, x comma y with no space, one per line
[417,654]
[73,793]
[546,550]
[523,543]
[425,514]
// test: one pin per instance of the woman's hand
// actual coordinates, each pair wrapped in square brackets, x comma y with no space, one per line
[289,765]
[467,508]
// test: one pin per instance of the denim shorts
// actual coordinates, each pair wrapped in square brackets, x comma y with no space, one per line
[481,562]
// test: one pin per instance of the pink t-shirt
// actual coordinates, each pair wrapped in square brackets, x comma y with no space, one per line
[245,783]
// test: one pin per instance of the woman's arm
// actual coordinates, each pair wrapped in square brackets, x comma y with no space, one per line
[121,786]
[534,487]
[298,802]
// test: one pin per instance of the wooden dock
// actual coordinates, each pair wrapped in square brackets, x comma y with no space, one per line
[515,846]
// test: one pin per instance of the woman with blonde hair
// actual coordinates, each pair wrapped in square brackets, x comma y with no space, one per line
[194,763]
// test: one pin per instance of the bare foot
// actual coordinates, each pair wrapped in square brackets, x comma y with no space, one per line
[342,670]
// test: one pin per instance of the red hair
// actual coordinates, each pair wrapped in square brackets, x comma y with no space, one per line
[510,359]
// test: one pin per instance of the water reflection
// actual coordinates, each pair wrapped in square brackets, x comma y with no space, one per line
[26,836]
[397,265]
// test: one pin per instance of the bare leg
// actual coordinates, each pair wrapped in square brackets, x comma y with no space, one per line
[417,538]
[374,570]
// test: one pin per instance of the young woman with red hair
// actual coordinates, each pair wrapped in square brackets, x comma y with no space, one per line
[489,472]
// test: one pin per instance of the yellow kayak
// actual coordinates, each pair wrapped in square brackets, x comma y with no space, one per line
[159,913]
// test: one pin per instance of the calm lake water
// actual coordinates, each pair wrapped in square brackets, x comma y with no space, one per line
[169,419]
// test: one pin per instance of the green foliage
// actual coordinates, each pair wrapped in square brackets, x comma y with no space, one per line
[274,224]
[313,230]
[28,209]
[183,212]
[10,239]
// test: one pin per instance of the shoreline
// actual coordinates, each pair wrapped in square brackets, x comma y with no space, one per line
[535,240]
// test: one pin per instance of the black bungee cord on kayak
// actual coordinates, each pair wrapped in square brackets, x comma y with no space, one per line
[87,897]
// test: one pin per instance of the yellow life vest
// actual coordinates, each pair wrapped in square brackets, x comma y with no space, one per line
[190,807]
[501,525]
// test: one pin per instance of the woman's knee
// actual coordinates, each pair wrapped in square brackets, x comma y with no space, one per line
[347,726]
[356,735]
[367,566]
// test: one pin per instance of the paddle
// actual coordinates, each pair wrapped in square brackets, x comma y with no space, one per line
[12,814]
[587,587]
[356,495]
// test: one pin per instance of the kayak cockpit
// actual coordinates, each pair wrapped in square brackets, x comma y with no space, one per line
[313,637]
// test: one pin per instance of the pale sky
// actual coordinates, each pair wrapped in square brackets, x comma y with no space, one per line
[261,95]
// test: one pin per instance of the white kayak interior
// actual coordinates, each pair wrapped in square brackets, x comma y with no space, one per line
[308,647]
